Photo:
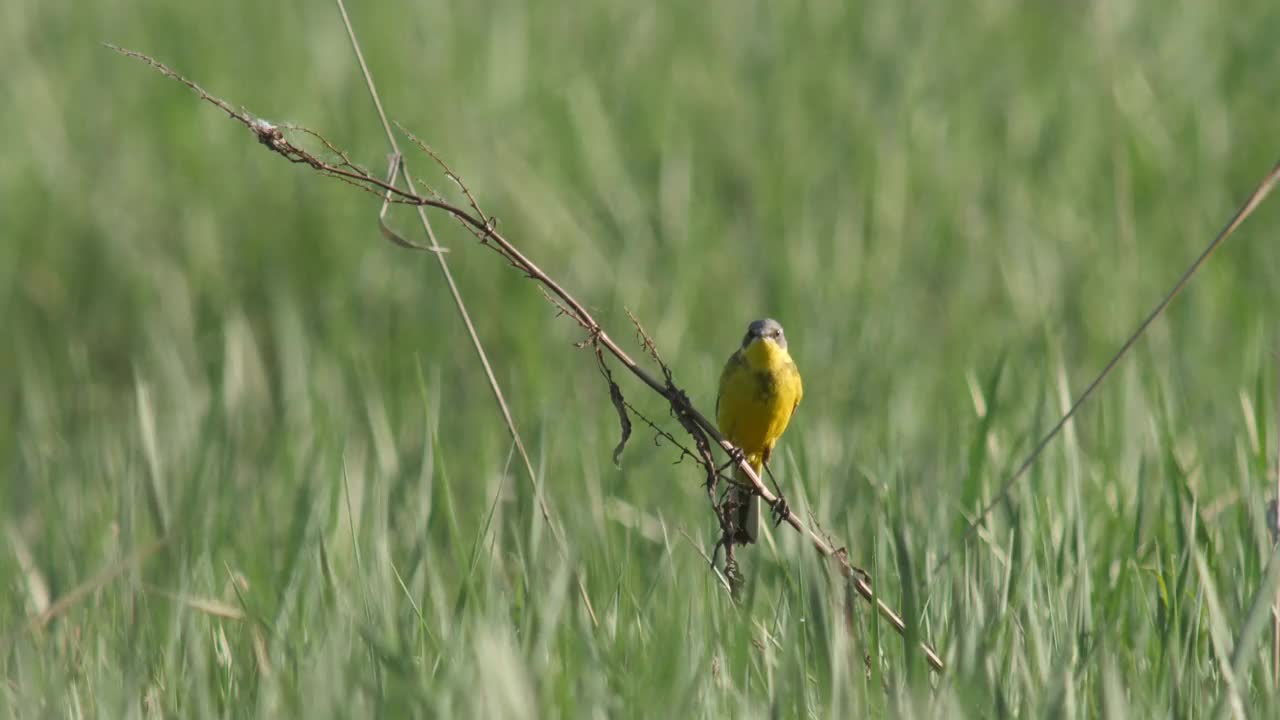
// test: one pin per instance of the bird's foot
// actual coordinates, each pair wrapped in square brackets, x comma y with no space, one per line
[736,456]
[781,511]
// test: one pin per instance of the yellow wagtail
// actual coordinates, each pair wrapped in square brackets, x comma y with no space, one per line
[759,391]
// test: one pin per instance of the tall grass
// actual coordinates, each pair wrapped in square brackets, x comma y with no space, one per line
[207,346]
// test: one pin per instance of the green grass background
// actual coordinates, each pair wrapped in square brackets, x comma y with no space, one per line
[200,337]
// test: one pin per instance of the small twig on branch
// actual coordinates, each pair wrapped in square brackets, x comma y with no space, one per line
[661,434]
[619,404]
[450,174]
[703,431]
[649,345]
[561,308]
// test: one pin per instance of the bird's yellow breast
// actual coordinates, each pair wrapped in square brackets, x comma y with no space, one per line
[759,390]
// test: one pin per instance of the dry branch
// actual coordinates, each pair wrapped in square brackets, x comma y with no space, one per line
[702,430]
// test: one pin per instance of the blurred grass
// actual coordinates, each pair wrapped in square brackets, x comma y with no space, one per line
[915,190]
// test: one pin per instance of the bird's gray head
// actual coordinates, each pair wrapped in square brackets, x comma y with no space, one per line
[766,328]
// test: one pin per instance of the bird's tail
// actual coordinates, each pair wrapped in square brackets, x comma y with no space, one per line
[747,515]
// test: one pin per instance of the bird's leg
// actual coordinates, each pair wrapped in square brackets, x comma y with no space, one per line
[781,511]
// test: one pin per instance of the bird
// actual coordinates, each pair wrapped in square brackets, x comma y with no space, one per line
[760,390]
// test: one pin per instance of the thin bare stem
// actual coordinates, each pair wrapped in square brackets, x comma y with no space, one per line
[459,304]
[1250,204]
